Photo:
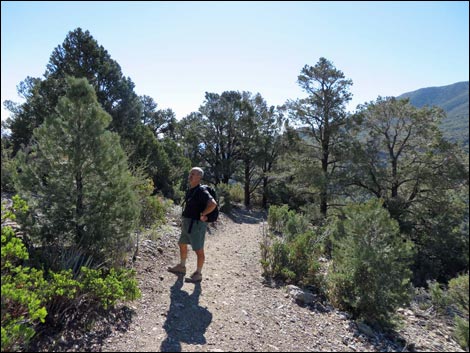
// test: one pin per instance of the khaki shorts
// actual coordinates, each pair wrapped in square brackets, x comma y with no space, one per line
[196,237]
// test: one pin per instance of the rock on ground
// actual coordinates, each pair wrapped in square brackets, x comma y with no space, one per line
[233,309]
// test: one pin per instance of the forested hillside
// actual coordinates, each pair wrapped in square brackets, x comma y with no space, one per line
[454,100]
[378,195]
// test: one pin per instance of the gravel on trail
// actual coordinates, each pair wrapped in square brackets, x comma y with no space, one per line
[234,309]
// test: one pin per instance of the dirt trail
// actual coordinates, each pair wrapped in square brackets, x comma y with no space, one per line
[232,309]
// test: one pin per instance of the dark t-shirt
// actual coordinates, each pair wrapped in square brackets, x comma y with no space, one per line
[196,200]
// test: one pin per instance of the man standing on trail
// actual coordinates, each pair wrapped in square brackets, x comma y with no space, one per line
[198,204]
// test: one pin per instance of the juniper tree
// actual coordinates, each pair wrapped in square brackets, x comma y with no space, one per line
[400,156]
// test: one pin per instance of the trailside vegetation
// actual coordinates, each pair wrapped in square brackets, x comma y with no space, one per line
[363,205]
[76,181]
[33,296]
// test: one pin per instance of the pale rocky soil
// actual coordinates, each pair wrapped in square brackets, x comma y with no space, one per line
[233,309]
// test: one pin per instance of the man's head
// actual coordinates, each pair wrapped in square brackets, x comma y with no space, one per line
[195,176]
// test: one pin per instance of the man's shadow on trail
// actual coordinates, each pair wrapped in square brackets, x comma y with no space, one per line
[186,321]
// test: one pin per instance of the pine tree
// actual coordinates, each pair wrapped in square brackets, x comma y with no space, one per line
[323,117]
[76,177]
[370,275]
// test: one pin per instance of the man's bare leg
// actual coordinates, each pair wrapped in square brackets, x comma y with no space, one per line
[200,259]
[183,253]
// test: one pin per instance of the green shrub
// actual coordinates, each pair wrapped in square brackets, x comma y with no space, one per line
[438,295]
[153,211]
[292,258]
[22,305]
[107,289]
[8,166]
[296,225]
[237,192]
[370,276]
[287,222]
[59,295]
[458,293]
[266,250]
[225,198]
[454,301]
[461,332]
[178,191]
[303,253]
[280,258]
[458,296]
[152,207]
[29,297]
[97,288]
[277,217]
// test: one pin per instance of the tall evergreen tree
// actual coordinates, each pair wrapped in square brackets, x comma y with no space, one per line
[402,158]
[323,112]
[260,143]
[235,136]
[78,56]
[178,171]
[76,177]
[162,121]
[272,145]
[189,132]
[147,151]
[253,110]
[219,143]
[7,163]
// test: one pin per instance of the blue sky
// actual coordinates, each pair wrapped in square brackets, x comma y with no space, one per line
[174,52]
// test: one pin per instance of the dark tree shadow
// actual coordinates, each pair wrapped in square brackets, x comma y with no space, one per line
[75,335]
[244,215]
[186,321]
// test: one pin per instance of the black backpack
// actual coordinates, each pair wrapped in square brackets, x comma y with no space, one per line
[212,217]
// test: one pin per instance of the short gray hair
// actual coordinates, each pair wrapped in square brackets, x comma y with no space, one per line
[199,170]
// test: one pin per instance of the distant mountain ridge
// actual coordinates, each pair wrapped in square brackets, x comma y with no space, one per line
[453,99]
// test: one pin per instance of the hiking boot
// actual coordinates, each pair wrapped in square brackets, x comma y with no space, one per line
[178,269]
[195,277]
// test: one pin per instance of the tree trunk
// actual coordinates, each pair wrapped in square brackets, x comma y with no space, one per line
[265,193]
[247,183]
[79,206]
[324,187]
